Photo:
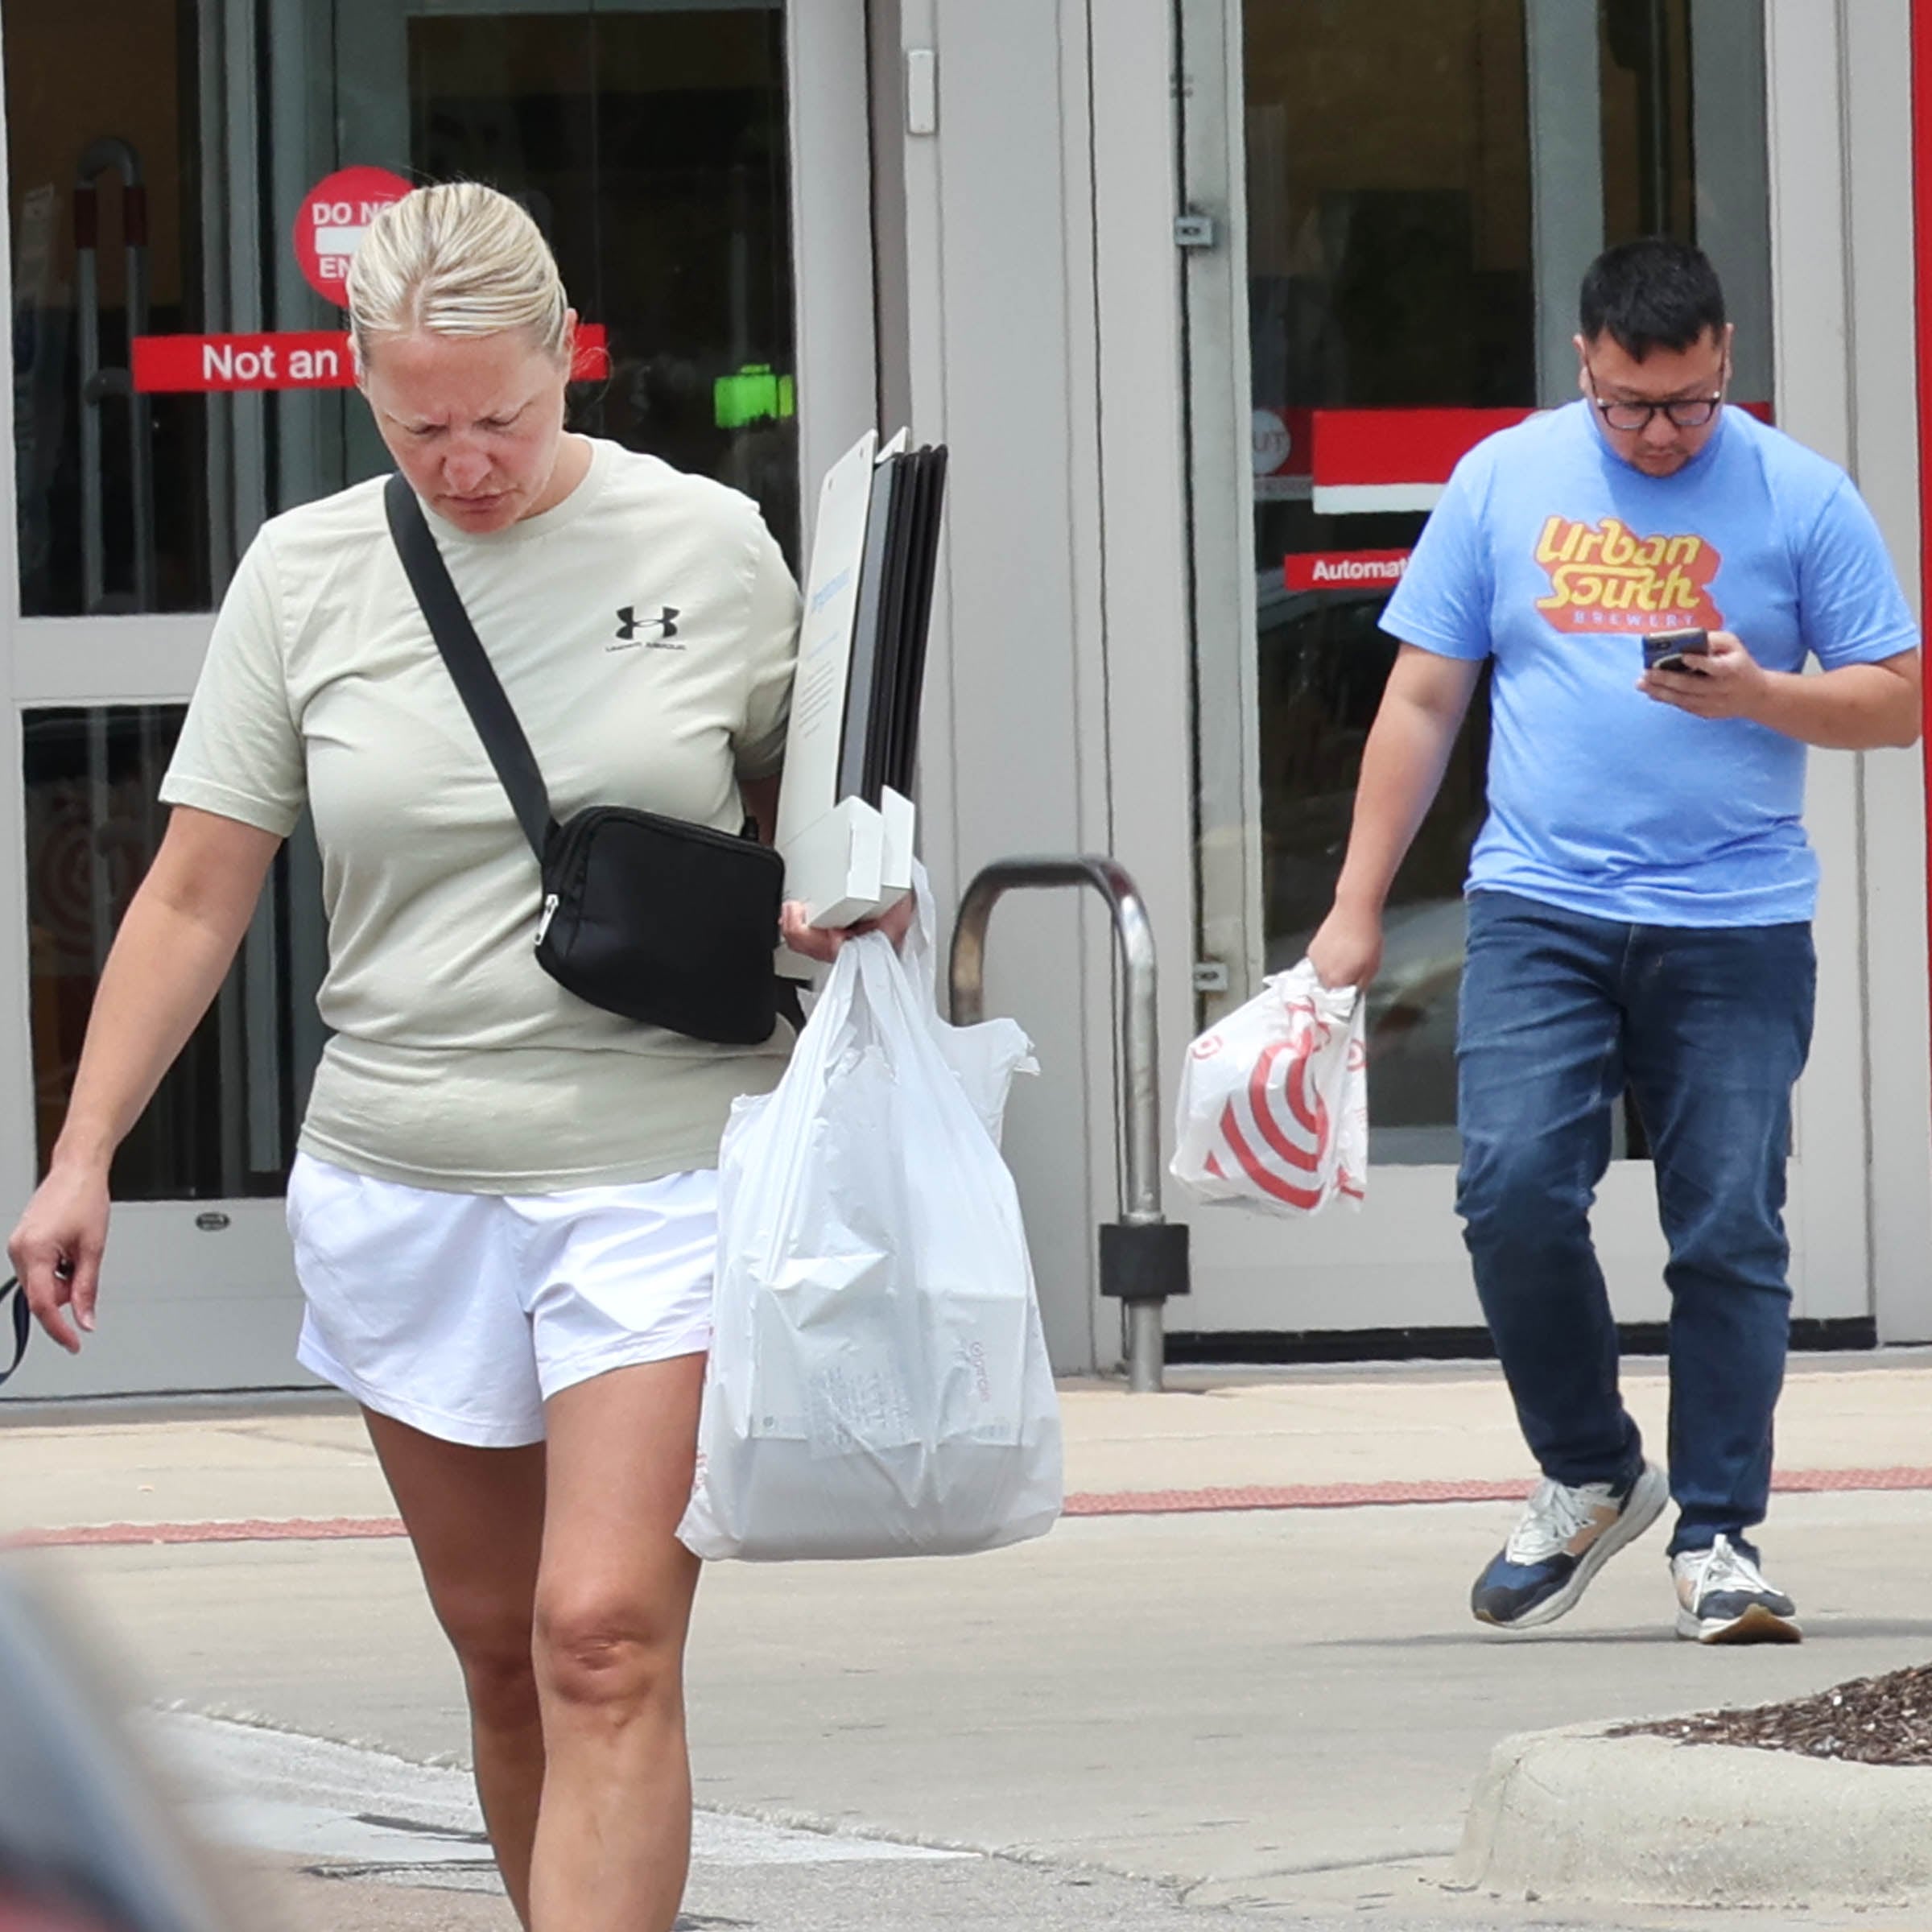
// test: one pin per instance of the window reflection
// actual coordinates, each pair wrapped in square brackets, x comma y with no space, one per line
[1389,267]
[222,1124]
[650,141]
[652,147]
[111,500]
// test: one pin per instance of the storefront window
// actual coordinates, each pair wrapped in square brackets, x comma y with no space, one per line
[652,144]
[1424,182]
[222,1126]
[157,197]
[107,241]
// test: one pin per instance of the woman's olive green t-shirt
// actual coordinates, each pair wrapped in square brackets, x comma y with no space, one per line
[645,629]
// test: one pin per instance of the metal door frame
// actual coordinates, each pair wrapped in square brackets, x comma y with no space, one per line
[92,662]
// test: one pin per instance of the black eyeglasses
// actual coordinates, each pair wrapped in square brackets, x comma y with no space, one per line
[1691,412]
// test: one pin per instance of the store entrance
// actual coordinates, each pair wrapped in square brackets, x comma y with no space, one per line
[1412,200]
[159,153]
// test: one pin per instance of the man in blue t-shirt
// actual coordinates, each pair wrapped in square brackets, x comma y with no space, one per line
[1640,900]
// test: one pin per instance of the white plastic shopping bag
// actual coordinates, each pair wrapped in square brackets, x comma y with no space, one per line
[878,1383]
[1273,1107]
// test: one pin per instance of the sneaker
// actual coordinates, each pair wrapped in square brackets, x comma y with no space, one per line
[1722,1598]
[1563,1537]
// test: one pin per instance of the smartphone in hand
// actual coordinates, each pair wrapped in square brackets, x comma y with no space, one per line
[1676,650]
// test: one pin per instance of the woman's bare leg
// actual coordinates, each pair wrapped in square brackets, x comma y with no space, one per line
[476,1518]
[613,1602]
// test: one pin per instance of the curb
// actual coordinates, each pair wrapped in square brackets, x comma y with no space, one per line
[1575,1814]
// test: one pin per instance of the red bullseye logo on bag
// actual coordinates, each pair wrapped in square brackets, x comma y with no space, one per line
[1606,577]
[1274,1106]
[1278,1128]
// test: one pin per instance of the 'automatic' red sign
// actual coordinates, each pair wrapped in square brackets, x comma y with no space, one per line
[1344,569]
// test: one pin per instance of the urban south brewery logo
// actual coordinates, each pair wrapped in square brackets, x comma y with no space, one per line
[1606,577]
[653,633]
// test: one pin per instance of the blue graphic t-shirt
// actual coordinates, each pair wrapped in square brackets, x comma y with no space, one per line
[1550,554]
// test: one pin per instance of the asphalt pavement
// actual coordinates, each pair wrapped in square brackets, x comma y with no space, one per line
[1238,1685]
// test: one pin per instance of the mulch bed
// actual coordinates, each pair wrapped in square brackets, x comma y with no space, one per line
[1871,1721]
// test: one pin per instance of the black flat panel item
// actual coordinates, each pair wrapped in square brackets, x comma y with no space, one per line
[905,471]
[885,676]
[903,742]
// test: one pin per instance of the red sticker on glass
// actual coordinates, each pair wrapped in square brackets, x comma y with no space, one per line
[334,216]
[1344,569]
[282,359]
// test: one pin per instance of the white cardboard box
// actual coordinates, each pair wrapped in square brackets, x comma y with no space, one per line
[844,858]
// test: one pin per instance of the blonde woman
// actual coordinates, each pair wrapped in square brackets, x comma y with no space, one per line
[503,1206]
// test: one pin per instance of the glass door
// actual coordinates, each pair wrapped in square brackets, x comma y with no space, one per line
[1414,190]
[128,510]
[159,155]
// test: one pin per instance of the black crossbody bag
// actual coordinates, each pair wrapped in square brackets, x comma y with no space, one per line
[663,921]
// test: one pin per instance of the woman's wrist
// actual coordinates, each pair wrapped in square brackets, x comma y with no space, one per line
[83,1152]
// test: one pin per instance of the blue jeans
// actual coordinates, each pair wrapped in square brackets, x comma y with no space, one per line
[1708,1027]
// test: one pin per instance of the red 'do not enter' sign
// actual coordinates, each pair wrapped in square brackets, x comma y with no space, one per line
[334,216]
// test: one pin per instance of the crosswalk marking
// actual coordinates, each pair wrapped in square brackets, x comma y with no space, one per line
[253,1789]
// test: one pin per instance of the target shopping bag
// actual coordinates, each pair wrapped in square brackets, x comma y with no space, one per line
[1274,1106]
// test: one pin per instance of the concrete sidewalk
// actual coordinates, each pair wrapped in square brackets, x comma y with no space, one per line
[1401,1426]
[1278,1712]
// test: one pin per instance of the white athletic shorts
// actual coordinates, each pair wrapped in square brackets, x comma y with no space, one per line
[461,1315]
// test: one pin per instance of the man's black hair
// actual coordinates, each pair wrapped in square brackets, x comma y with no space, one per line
[1652,294]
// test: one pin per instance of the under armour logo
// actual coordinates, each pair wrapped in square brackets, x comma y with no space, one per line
[654,634]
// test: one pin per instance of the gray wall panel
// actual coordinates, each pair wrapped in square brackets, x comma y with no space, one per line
[995,357]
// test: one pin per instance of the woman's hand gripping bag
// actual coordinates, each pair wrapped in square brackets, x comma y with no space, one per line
[878,1383]
[1273,1107]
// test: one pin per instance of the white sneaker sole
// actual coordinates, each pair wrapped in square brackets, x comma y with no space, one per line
[1758,1624]
[1648,1495]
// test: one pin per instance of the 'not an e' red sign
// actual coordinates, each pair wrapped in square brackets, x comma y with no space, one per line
[315,359]
[289,359]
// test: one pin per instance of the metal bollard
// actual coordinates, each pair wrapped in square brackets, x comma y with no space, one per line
[1143,1258]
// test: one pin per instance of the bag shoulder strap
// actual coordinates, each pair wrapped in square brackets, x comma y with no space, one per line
[21,1321]
[470,669]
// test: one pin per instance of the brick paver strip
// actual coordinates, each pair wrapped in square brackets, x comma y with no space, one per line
[239,1529]
[1357,1496]
[1125,1502]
